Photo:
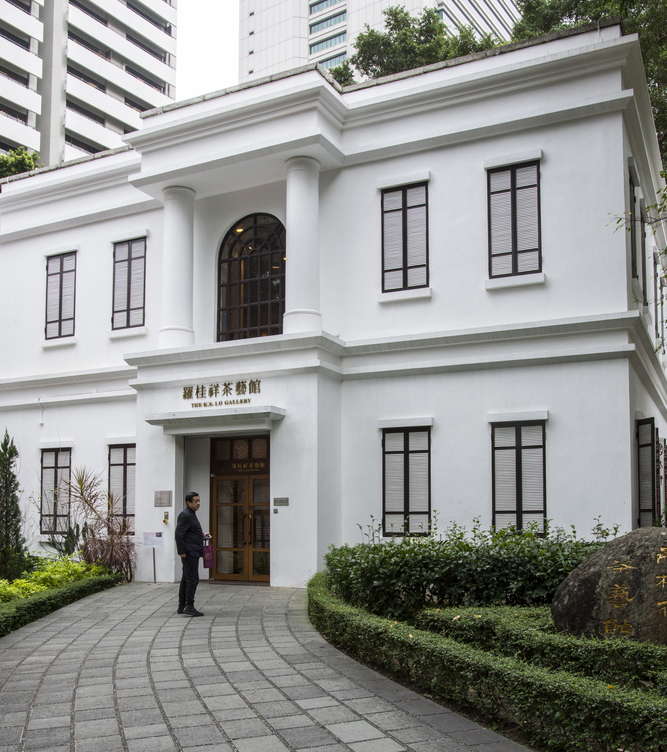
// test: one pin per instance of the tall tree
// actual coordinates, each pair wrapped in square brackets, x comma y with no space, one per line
[18,160]
[12,543]
[407,42]
[646,18]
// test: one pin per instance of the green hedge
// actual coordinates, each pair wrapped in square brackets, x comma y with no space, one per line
[399,577]
[529,635]
[19,612]
[562,712]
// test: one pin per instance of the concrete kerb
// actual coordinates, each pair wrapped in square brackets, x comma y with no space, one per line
[120,672]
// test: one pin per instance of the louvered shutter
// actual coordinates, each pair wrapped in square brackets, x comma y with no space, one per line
[504,476]
[137,283]
[514,221]
[406,482]
[518,476]
[392,240]
[532,477]
[646,471]
[500,223]
[527,220]
[60,292]
[404,238]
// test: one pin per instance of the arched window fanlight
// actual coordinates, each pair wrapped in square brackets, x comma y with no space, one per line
[251,279]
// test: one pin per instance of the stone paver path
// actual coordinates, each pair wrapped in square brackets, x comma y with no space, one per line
[121,672]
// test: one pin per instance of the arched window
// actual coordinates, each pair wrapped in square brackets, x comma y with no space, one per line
[251,279]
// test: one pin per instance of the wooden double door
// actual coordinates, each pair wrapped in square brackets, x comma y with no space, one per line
[241,529]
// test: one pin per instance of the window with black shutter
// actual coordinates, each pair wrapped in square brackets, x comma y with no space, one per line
[519,481]
[646,472]
[129,283]
[406,489]
[60,290]
[405,237]
[55,491]
[644,260]
[514,220]
[122,467]
[633,233]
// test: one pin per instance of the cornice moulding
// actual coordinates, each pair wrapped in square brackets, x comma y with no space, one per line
[68,377]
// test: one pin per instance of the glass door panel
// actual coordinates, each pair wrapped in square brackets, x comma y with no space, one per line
[242,527]
[260,529]
[230,532]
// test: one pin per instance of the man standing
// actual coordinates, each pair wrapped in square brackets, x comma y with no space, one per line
[190,546]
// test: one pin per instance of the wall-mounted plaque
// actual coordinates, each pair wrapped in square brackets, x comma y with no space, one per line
[281,501]
[162,499]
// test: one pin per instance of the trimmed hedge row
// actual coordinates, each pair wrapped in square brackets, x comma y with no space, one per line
[19,612]
[530,636]
[563,712]
[399,578]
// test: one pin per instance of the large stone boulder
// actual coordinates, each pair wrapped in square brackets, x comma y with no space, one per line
[621,591]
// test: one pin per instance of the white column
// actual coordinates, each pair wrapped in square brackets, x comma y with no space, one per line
[177,272]
[302,283]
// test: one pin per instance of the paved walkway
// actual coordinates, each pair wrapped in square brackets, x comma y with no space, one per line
[121,672]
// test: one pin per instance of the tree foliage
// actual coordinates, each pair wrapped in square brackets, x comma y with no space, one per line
[18,160]
[13,553]
[646,18]
[407,42]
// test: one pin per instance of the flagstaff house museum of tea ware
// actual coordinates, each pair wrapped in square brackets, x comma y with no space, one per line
[314,305]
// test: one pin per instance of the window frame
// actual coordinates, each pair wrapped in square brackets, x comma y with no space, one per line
[54,469]
[405,268]
[128,309]
[514,252]
[650,472]
[238,316]
[125,464]
[60,320]
[518,511]
[405,452]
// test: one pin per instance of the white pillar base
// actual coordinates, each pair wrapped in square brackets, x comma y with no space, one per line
[175,336]
[303,320]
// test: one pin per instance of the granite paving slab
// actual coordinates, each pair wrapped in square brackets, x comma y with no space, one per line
[120,671]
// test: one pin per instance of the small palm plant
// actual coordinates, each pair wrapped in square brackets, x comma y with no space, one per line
[107,537]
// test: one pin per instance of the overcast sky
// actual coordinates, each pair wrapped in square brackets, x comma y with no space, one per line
[208,43]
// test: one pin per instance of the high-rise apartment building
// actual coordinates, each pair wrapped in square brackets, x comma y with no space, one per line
[77,73]
[277,35]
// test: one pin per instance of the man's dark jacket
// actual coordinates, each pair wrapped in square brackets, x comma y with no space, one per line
[189,535]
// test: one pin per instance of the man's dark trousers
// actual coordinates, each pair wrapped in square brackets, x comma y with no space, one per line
[189,581]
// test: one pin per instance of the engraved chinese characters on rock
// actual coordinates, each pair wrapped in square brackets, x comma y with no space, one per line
[620,591]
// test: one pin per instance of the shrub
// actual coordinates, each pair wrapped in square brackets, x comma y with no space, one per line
[400,577]
[18,613]
[529,635]
[50,574]
[563,712]
[14,557]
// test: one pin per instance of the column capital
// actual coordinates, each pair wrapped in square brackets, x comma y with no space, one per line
[178,191]
[308,164]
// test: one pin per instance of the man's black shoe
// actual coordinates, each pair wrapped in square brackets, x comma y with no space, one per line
[180,609]
[192,611]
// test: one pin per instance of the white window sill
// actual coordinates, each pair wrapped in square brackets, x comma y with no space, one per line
[135,331]
[420,293]
[52,344]
[522,280]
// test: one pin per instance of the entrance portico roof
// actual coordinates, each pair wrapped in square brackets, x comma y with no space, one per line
[217,420]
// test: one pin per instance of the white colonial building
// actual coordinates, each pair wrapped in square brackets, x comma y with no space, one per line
[316,306]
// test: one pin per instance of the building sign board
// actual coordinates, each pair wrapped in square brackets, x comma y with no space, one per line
[153,540]
[222,393]
[280,501]
[162,499]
